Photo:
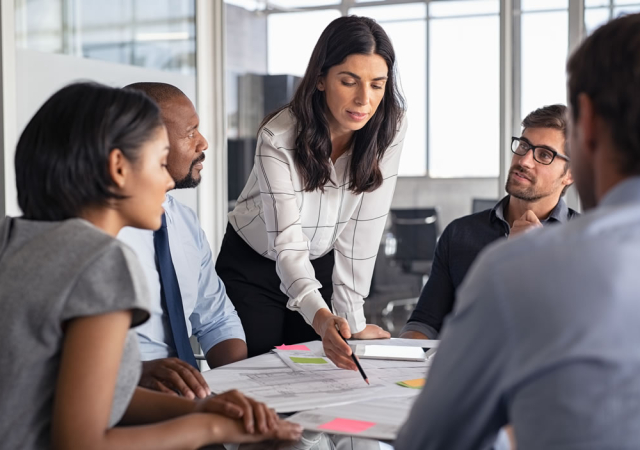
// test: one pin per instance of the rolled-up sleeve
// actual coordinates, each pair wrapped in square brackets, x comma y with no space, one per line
[356,248]
[214,318]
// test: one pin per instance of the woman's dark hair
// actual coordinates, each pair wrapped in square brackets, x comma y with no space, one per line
[343,37]
[62,157]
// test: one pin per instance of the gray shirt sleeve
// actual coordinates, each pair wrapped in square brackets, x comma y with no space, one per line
[112,282]
[463,403]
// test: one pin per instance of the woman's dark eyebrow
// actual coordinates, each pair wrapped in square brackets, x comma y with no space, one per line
[357,77]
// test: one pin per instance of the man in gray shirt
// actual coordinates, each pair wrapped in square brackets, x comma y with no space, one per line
[545,333]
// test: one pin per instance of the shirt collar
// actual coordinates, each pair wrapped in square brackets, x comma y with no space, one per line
[498,211]
[168,201]
[560,213]
[627,191]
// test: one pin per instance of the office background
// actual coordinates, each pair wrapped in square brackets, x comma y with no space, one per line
[470,70]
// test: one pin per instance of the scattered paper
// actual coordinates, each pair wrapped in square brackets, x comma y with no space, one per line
[299,347]
[347,425]
[385,414]
[305,361]
[293,391]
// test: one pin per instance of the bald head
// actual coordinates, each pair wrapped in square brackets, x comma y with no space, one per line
[159,92]
[182,122]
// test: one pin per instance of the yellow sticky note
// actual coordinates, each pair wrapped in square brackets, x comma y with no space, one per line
[414,384]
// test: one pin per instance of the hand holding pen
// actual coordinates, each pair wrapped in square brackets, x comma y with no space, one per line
[356,361]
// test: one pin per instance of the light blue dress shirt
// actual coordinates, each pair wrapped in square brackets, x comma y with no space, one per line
[209,313]
[545,335]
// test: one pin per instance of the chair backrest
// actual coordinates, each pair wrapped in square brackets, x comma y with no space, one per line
[416,233]
[481,204]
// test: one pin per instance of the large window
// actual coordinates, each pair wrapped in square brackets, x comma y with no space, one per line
[291,38]
[460,90]
[544,46]
[406,27]
[599,12]
[464,89]
[158,34]
[448,54]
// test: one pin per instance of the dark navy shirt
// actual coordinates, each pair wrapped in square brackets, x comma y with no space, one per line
[457,249]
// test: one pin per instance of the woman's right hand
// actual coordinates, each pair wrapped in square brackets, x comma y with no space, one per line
[256,416]
[227,430]
[337,350]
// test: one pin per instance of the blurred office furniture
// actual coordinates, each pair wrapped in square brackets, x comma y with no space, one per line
[241,153]
[482,204]
[411,243]
[257,96]
[416,234]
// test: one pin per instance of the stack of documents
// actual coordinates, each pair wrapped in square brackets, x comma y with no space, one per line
[374,419]
[301,379]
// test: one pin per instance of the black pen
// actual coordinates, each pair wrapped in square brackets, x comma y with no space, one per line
[355,360]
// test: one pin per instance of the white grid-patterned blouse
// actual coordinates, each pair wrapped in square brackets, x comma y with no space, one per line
[283,223]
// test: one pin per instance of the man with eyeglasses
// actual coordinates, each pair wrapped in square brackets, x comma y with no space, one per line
[538,178]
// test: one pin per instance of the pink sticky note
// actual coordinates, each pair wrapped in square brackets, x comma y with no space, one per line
[347,425]
[293,347]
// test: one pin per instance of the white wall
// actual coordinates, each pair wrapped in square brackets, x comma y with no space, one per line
[39,75]
[452,196]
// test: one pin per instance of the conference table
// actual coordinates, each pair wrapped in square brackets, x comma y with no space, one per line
[335,406]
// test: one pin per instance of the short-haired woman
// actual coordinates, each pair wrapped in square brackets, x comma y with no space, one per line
[305,232]
[91,161]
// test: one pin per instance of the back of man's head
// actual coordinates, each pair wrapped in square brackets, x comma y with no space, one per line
[159,92]
[606,68]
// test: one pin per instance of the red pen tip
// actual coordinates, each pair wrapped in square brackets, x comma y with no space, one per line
[367,380]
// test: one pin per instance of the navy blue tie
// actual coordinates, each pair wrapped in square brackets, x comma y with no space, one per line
[170,295]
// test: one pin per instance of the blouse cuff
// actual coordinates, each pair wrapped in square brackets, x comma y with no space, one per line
[310,305]
[356,319]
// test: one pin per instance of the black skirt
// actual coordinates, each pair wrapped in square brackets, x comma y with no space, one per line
[253,287]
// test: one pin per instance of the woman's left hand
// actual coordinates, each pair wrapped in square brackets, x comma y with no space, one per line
[372,332]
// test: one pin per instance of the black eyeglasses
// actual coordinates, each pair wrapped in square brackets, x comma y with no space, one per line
[542,154]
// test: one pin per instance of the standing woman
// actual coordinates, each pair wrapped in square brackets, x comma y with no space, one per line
[305,231]
[91,161]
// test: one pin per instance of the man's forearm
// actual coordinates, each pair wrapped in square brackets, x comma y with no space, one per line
[226,352]
[413,335]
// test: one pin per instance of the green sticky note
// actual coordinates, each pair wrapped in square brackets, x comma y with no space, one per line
[299,360]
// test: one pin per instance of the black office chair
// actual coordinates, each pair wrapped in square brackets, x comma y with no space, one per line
[414,234]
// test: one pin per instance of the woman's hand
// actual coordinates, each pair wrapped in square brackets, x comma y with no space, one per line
[233,431]
[337,350]
[372,332]
[257,417]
